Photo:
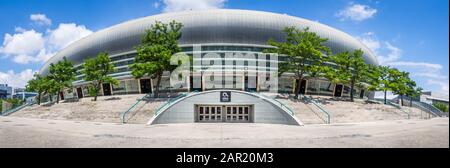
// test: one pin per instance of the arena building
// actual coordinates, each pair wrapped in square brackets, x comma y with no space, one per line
[227,48]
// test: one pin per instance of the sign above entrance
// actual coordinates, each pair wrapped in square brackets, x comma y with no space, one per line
[225,96]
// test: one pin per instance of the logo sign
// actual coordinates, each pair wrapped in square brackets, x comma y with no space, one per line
[225,96]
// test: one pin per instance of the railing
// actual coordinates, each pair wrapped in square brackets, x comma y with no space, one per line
[15,109]
[328,115]
[417,104]
[134,105]
[429,108]
[285,106]
[169,102]
[277,102]
[398,107]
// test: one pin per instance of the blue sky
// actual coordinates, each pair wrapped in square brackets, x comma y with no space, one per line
[411,35]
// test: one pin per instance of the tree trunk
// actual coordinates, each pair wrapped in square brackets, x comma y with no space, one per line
[158,82]
[385,92]
[57,97]
[401,98]
[352,85]
[297,88]
[39,98]
[51,98]
[97,88]
[410,101]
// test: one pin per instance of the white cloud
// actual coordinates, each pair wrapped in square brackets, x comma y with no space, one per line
[384,51]
[156,5]
[30,46]
[183,5]
[428,66]
[66,33]
[40,19]
[356,12]
[22,46]
[432,75]
[16,79]
[19,30]
[394,54]
[444,85]
[368,40]
[428,75]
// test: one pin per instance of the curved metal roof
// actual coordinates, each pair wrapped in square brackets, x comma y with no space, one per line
[225,26]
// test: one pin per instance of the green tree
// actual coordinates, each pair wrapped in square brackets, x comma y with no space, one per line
[50,87]
[36,85]
[414,93]
[304,51]
[155,51]
[351,69]
[400,83]
[96,71]
[378,79]
[63,74]
[441,106]
[43,85]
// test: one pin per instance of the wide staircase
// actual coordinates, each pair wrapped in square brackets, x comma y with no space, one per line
[308,110]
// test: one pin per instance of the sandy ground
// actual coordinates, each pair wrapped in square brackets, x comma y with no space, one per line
[106,109]
[28,132]
[345,112]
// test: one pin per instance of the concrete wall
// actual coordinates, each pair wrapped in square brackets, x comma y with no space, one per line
[264,111]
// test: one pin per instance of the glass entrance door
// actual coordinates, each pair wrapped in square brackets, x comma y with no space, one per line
[238,114]
[228,113]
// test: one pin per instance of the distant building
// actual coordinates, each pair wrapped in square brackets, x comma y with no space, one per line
[24,95]
[5,91]
[431,98]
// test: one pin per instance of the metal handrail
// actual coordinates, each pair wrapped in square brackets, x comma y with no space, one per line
[15,109]
[399,107]
[419,105]
[134,105]
[281,103]
[169,102]
[319,107]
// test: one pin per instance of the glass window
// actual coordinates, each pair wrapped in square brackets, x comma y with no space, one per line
[326,88]
[313,87]
[346,91]
[119,88]
[132,86]
[219,109]
[285,85]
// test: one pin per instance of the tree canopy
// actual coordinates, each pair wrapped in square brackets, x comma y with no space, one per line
[96,70]
[63,74]
[157,46]
[305,53]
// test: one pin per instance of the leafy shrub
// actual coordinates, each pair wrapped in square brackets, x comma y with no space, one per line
[441,106]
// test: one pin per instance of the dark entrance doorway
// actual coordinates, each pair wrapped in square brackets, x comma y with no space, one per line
[250,85]
[61,95]
[302,86]
[361,94]
[146,87]
[80,93]
[198,87]
[106,89]
[338,90]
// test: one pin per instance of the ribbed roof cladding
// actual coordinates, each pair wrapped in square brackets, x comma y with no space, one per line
[206,27]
